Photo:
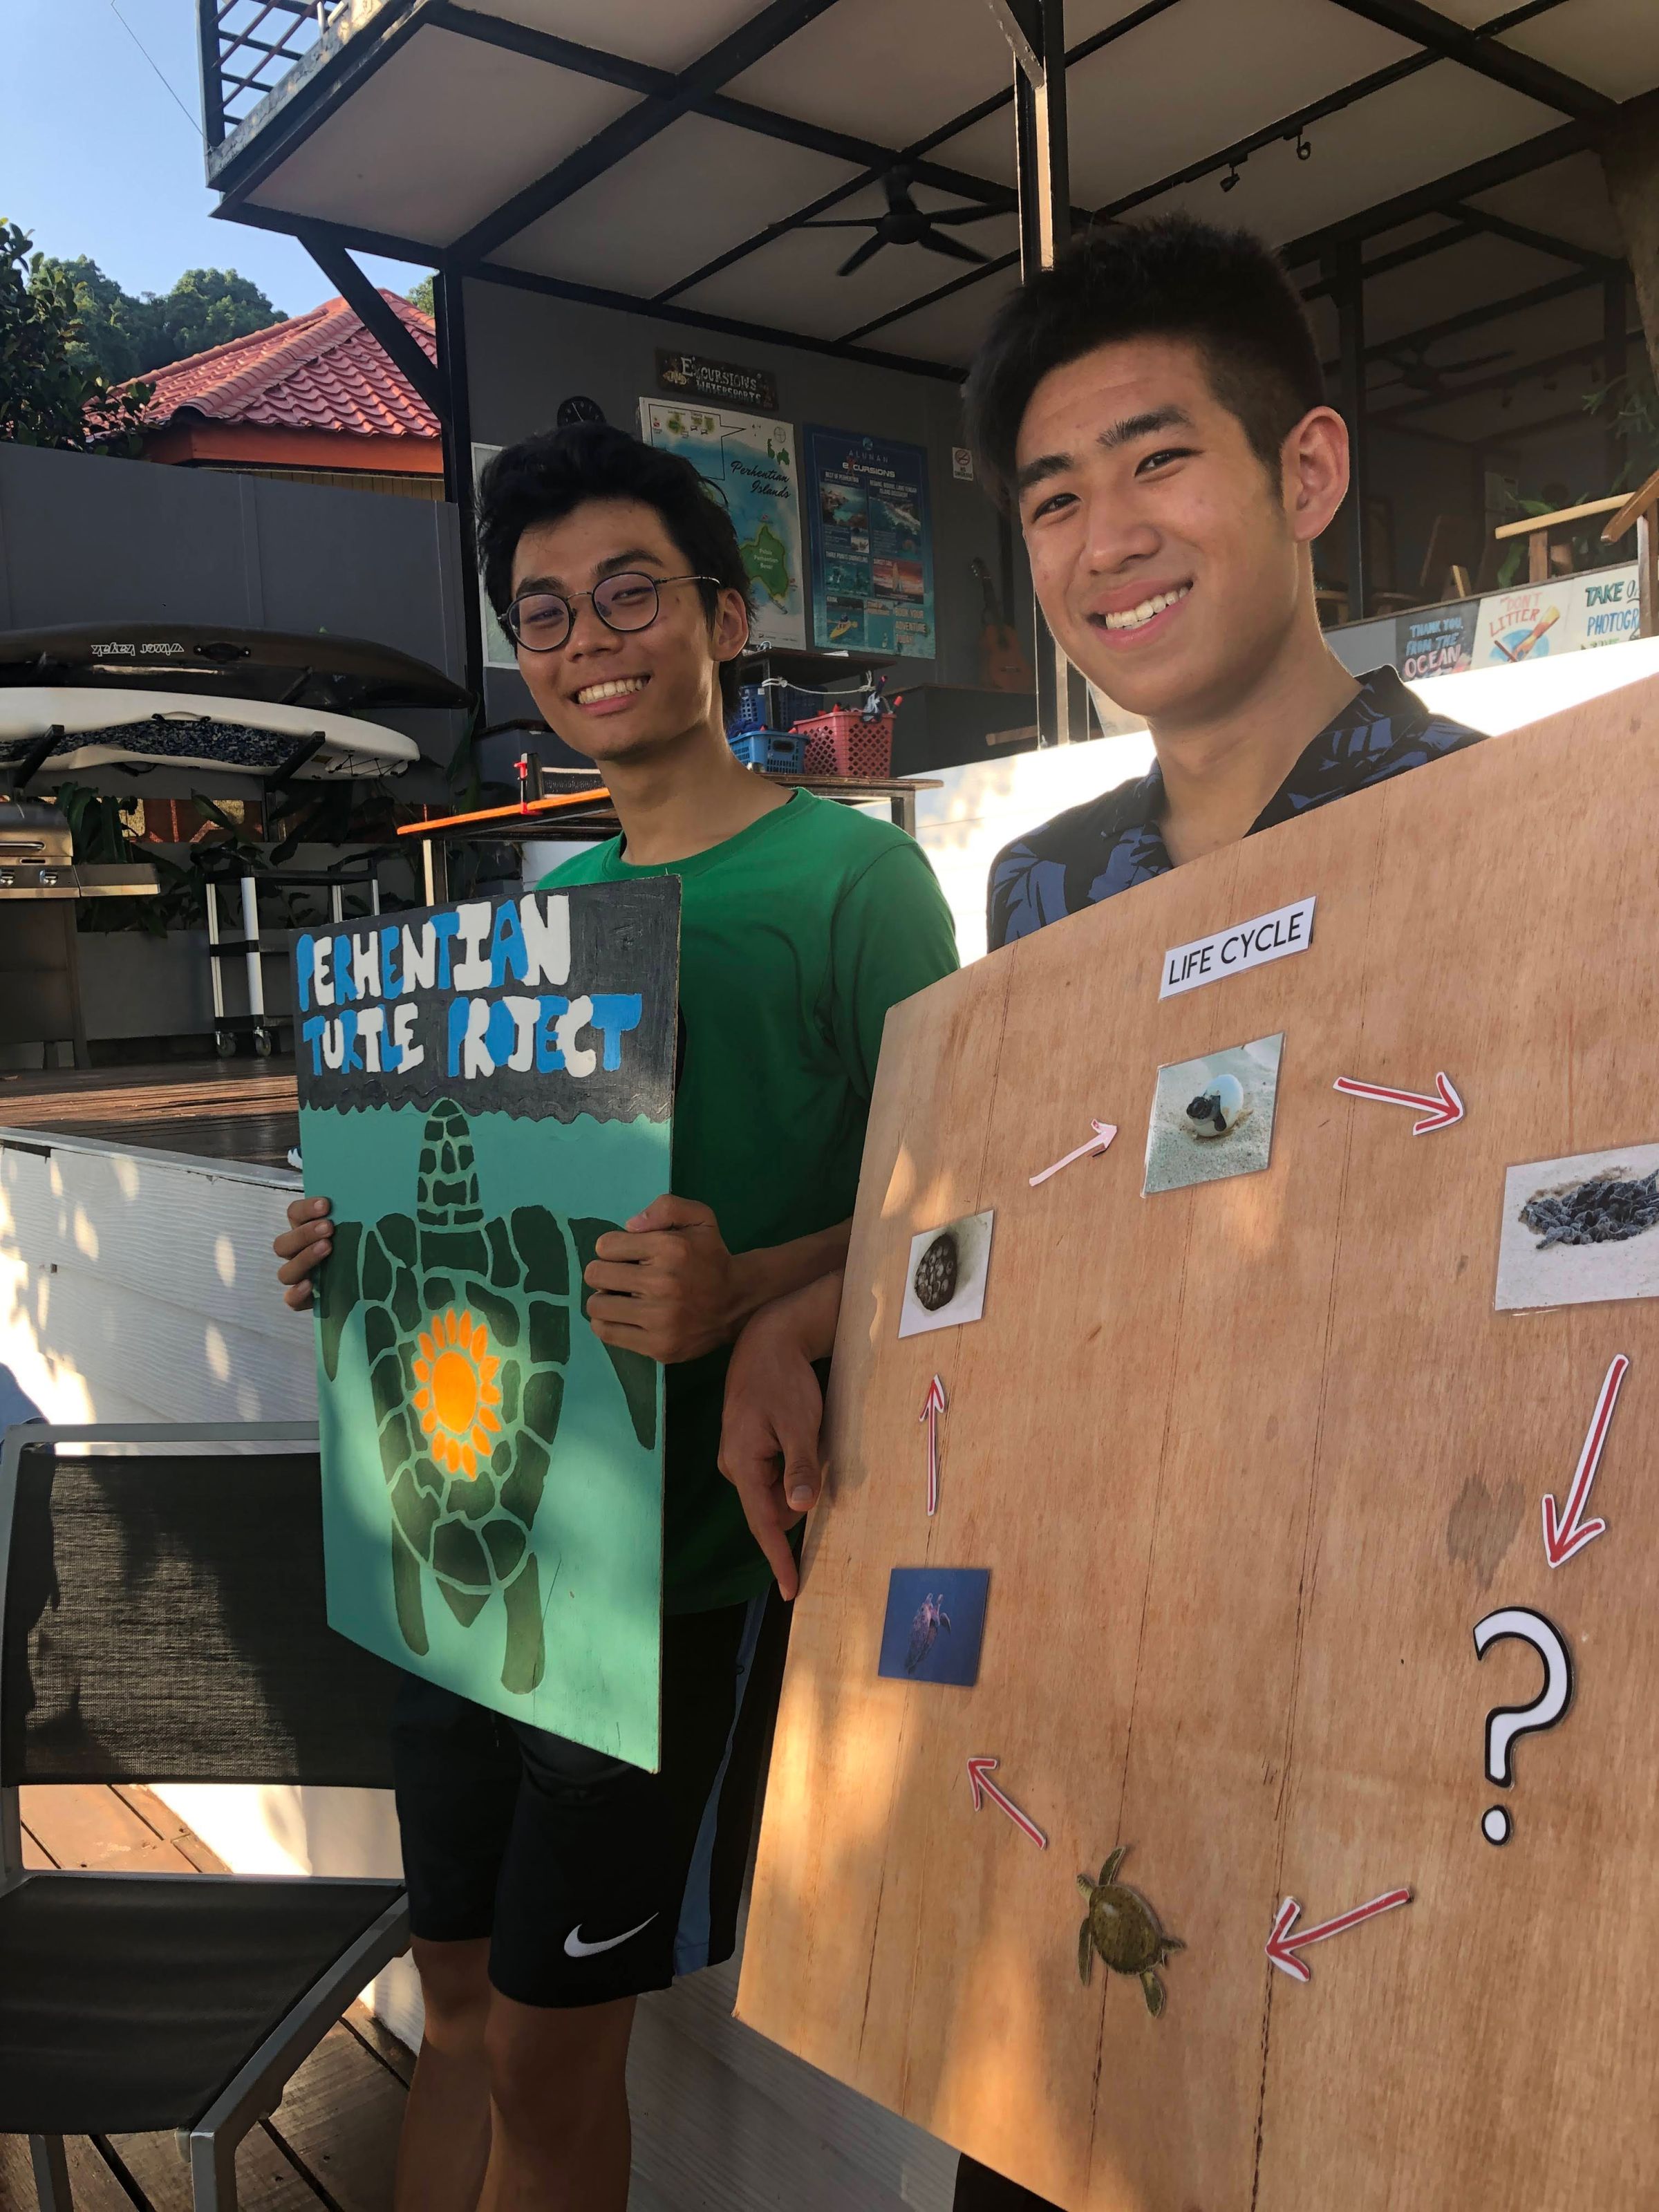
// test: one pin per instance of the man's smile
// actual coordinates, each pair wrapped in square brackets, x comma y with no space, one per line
[614,688]
[1134,620]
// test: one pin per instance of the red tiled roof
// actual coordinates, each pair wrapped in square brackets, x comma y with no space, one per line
[317,372]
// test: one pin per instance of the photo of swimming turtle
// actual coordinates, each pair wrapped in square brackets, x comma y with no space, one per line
[467,1325]
[930,1618]
[1123,1928]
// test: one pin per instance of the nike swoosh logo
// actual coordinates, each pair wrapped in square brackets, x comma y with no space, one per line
[575,1948]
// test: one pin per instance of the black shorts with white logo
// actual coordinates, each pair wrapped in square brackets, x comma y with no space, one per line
[592,1879]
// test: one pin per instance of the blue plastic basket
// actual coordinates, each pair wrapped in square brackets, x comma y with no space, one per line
[780,752]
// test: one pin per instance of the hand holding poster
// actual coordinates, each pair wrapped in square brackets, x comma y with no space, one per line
[485,1089]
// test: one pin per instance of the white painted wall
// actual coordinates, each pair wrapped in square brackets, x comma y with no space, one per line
[139,1286]
[981,807]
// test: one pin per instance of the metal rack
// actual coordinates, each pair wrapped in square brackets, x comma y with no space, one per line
[359,868]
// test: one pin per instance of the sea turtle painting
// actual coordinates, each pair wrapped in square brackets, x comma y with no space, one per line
[467,1327]
[1123,1928]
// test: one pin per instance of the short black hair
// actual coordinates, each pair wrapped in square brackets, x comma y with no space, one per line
[543,479]
[1225,291]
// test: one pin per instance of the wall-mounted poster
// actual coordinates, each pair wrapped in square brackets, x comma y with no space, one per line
[872,544]
[747,462]
[1435,640]
[485,1089]
[497,645]
[1565,614]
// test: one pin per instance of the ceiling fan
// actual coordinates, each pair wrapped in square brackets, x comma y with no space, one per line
[1418,374]
[906,224]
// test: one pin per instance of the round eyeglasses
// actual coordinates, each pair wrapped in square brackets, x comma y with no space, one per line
[541,621]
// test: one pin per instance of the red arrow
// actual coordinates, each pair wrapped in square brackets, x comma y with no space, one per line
[1438,1112]
[980,1782]
[1282,1946]
[932,1406]
[1567,1531]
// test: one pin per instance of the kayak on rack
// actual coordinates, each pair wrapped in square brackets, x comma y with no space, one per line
[269,703]
[96,727]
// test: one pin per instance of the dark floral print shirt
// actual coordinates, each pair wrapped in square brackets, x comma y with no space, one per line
[1112,843]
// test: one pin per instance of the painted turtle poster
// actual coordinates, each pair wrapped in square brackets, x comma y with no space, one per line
[872,544]
[747,462]
[485,1089]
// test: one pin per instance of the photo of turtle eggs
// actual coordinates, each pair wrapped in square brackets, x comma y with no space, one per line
[1581,1230]
[1214,1117]
[944,1281]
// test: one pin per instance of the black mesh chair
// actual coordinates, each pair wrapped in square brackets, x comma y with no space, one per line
[162,1619]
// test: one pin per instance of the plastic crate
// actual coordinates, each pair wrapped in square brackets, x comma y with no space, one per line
[778,752]
[847,741]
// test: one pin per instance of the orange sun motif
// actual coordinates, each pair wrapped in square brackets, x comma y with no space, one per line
[458,1395]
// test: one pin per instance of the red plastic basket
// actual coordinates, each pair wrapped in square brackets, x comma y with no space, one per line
[845,742]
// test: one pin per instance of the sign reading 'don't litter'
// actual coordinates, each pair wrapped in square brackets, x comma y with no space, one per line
[1247,945]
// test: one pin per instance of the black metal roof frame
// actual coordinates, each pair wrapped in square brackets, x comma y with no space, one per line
[664,96]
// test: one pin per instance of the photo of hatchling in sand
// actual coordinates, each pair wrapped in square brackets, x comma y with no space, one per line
[1582,1230]
[1214,1117]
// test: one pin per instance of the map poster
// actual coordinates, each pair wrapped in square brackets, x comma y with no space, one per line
[872,545]
[485,1089]
[747,462]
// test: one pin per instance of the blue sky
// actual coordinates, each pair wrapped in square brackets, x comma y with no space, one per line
[97,158]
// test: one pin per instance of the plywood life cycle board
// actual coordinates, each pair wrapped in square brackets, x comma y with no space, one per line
[1247,1461]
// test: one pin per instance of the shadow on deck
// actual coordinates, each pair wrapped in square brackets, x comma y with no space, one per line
[331,2144]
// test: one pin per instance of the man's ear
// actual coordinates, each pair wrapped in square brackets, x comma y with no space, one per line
[1314,472]
[729,631]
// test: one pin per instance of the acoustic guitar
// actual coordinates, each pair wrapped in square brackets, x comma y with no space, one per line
[1002,663]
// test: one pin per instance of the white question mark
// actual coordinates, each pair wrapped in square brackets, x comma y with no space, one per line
[1507,1724]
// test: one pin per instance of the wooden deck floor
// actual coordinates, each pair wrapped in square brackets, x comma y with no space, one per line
[330,2145]
[218,1110]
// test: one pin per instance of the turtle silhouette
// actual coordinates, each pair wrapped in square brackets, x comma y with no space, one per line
[466,1332]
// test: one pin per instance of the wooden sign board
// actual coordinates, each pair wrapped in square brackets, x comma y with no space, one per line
[1247,1461]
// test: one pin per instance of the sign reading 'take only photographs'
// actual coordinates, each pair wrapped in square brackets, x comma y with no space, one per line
[1248,945]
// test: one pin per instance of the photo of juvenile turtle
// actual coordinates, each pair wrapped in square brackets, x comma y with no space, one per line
[944,1277]
[1214,1117]
[931,1617]
[1124,1929]
[1580,1229]
[466,1330]
[934,1624]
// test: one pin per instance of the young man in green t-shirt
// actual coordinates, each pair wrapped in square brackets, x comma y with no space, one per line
[549,1886]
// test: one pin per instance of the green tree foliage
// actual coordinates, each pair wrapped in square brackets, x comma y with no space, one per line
[206,308]
[123,335]
[421,297]
[52,391]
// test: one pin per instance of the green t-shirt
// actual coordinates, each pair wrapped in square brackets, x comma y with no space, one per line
[796,936]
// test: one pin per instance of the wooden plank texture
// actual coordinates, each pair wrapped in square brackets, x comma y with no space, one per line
[92,2185]
[266,2178]
[82,1824]
[220,1112]
[1246,1462]
[339,2119]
